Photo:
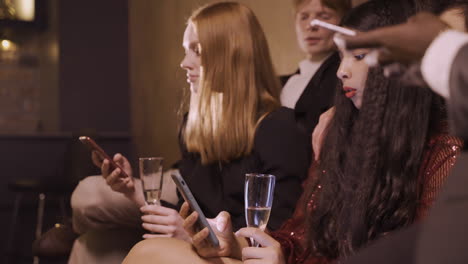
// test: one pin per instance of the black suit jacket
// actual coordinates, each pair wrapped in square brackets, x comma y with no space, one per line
[318,94]
[458,103]
[280,148]
[443,236]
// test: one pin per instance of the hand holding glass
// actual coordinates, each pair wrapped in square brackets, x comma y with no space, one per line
[258,197]
[151,178]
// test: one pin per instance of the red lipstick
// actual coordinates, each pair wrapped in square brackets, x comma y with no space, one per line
[349,92]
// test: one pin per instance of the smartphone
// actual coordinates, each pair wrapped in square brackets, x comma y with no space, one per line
[342,30]
[188,197]
[93,146]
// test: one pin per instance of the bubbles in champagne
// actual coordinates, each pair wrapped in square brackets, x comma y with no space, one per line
[152,196]
[257,216]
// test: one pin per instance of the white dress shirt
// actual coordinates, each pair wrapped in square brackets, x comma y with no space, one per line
[297,83]
[437,61]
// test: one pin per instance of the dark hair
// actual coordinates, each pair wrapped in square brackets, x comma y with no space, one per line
[368,175]
[426,5]
[387,13]
[438,6]
[465,13]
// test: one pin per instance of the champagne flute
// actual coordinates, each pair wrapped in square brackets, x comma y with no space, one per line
[151,177]
[258,198]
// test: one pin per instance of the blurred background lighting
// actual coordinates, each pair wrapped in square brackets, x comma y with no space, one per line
[6,44]
[24,9]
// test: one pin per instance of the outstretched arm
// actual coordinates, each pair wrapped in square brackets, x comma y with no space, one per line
[420,31]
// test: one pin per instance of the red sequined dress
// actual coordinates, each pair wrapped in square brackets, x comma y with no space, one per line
[440,155]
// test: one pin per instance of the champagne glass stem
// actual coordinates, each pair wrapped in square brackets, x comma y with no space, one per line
[254,243]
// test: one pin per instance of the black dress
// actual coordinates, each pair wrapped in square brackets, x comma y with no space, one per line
[280,148]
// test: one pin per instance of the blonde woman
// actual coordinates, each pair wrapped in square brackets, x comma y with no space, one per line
[235,124]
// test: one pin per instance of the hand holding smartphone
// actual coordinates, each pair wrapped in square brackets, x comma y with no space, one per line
[202,222]
[93,146]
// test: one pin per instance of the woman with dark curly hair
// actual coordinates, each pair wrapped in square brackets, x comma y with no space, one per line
[382,165]
[382,162]
[385,155]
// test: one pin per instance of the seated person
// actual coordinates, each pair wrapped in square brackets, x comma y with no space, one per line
[385,155]
[235,125]
[310,90]
[440,238]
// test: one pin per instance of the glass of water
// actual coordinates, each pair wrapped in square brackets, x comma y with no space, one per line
[258,198]
[151,177]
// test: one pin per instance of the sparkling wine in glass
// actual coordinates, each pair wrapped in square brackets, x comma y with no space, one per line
[151,178]
[258,198]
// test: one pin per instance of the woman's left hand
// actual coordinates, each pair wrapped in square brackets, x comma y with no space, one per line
[321,130]
[270,251]
[163,222]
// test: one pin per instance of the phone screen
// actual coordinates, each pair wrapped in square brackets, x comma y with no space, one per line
[188,197]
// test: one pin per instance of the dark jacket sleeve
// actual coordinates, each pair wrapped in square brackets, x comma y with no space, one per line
[318,95]
[284,152]
[458,102]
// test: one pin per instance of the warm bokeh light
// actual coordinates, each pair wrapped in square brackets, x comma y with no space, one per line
[6,44]
[24,9]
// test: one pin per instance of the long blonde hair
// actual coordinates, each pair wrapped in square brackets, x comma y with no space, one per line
[238,85]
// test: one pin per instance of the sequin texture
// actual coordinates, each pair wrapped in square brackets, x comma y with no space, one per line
[439,157]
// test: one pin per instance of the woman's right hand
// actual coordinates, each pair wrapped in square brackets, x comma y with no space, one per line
[268,253]
[115,179]
[163,222]
[229,245]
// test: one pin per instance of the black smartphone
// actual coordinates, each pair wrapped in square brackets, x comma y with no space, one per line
[93,146]
[188,197]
